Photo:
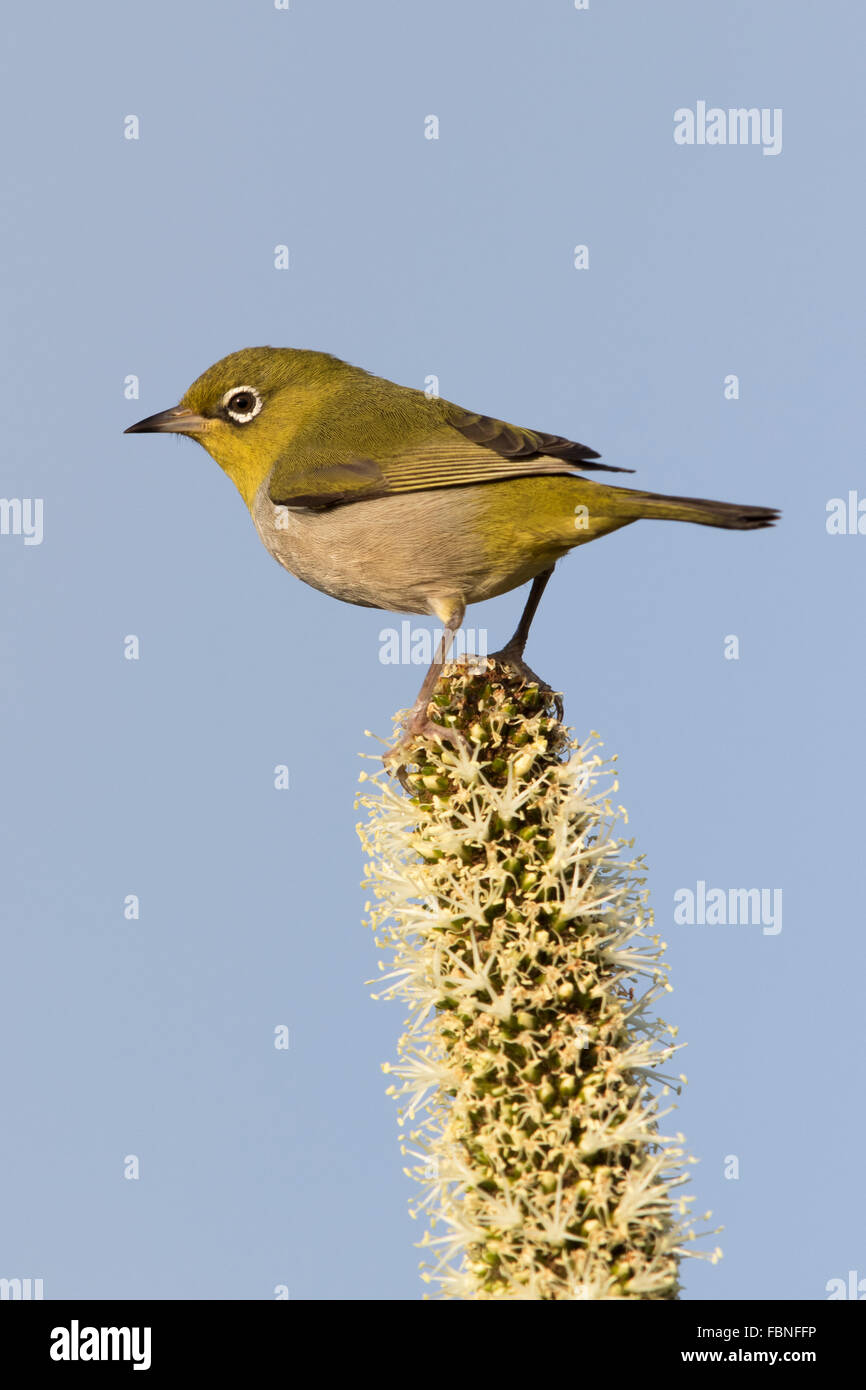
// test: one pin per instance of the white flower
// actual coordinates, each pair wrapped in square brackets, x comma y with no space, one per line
[515,922]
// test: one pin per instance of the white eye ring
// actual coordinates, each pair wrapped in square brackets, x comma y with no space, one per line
[242,417]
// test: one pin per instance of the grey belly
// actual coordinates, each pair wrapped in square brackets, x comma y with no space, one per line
[397,553]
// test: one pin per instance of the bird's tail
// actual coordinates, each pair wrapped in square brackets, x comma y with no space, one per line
[731,515]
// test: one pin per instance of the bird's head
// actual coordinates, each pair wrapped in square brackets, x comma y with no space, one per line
[247,408]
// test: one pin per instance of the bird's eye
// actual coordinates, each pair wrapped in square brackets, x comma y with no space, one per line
[241,404]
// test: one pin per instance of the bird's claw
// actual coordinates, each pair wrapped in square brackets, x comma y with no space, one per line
[418,725]
[513,661]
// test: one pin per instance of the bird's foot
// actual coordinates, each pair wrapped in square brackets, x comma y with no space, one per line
[417,726]
[512,658]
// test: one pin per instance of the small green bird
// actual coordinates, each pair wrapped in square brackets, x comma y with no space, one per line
[383,496]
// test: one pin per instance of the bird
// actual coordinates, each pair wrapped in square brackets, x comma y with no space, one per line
[389,497]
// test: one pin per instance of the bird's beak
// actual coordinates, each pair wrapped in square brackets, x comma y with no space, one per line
[178,420]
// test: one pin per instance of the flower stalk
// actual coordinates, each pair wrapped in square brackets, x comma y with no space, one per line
[530,1076]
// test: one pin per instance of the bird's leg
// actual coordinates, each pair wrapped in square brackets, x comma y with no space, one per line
[419,721]
[515,646]
[511,655]
[450,612]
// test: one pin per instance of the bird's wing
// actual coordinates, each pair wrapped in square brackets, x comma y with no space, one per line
[513,442]
[462,449]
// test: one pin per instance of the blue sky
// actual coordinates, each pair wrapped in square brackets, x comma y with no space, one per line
[409,256]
